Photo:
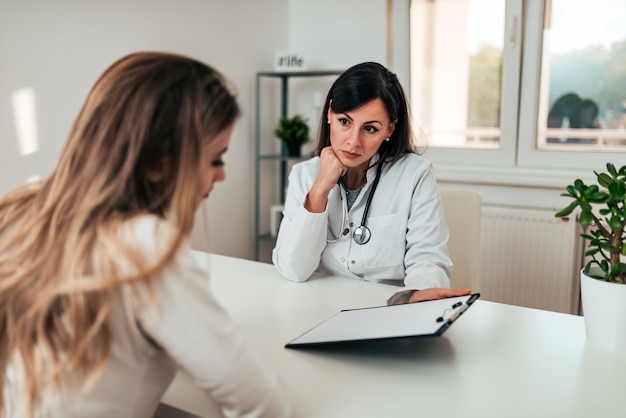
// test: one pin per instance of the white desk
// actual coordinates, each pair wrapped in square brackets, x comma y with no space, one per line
[495,361]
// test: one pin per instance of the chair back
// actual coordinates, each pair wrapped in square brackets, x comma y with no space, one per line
[462,210]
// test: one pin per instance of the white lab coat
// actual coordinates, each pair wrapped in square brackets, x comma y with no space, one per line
[409,237]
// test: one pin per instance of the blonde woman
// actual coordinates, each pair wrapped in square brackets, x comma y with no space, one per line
[100,298]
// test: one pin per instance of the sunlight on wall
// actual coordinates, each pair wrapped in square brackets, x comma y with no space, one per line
[25,120]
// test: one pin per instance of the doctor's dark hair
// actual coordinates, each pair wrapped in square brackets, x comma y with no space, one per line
[359,85]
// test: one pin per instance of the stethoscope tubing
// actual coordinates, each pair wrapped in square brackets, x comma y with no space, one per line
[362,233]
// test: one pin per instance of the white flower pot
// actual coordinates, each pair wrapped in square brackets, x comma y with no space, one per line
[604,309]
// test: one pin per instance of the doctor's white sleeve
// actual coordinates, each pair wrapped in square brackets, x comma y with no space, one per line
[427,261]
[302,234]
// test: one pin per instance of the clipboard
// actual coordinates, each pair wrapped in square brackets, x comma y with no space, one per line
[412,320]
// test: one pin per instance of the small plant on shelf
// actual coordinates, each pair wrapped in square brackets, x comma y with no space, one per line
[606,237]
[293,132]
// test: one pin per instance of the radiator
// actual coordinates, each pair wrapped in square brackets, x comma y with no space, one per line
[530,258]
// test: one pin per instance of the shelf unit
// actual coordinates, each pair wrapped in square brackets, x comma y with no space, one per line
[282,159]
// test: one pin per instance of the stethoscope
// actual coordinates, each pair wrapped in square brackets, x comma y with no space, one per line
[362,233]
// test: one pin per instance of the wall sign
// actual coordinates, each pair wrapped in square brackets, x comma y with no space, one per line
[289,61]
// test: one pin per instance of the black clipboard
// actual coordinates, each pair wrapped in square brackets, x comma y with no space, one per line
[412,320]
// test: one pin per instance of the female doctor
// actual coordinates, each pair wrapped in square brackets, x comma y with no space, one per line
[367,207]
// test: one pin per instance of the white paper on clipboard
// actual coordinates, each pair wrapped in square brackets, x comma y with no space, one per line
[422,319]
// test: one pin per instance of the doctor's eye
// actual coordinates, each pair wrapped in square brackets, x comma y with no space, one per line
[217,163]
[344,121]
[371,129]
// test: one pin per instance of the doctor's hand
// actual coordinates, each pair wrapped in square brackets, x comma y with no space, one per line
[330,169]
[437,293]
[329,172]
[412,296]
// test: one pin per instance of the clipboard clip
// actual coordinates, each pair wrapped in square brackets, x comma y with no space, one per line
[454,316]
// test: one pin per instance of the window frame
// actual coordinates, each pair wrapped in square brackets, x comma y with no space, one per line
[517,161]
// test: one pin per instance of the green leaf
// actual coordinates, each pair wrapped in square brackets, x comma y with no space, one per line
[585,206]
[598,197]
[615,223]
[604,179]
[617,190]
[611,168]
[585,218]
[590,190]
[571,191]
[604,266]
[606,246]
[566,211]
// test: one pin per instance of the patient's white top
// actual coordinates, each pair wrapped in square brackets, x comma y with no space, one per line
[189,329]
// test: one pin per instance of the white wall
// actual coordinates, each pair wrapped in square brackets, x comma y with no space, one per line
[338,33]
[59,48]
[334,35]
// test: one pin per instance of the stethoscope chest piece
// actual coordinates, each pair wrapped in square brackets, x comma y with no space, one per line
[361,235]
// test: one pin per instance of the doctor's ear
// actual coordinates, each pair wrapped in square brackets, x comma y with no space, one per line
[392,127]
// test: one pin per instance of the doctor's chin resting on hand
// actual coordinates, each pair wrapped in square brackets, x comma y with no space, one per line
[367,206]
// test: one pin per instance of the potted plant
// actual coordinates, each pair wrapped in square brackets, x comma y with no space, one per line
[293,132]
[603,218]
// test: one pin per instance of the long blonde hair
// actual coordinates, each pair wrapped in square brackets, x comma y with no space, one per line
[58,236]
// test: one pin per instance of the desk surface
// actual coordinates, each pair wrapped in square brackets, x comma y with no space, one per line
[495,361]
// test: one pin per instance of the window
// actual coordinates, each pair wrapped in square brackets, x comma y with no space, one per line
[520,84]
[584,68]
[457,51]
